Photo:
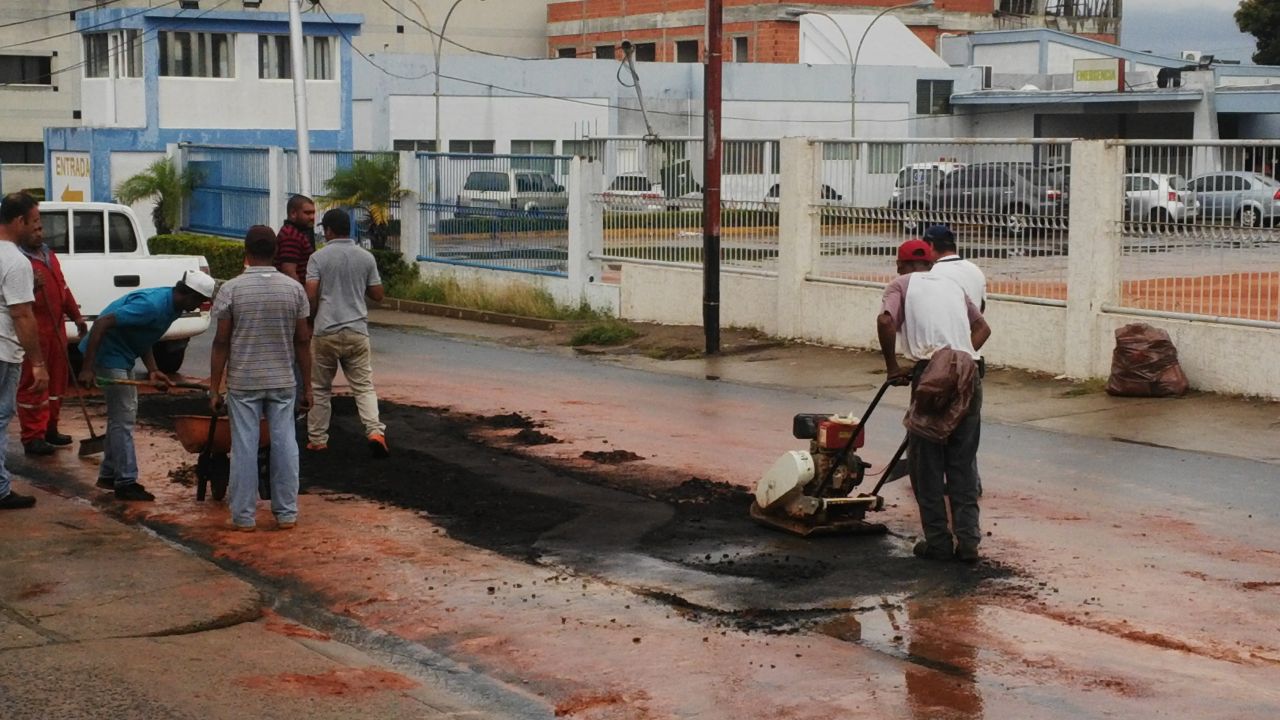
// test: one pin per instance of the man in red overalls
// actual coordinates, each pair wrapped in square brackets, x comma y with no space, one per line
[38,411]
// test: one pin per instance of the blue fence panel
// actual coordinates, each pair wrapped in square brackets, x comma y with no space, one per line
[230,193]
[506,212]
[324,164]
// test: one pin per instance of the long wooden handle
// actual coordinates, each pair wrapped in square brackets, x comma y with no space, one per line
[149,383]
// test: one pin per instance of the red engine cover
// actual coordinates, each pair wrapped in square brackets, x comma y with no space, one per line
[834,435]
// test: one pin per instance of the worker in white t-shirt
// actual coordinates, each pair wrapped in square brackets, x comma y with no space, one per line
[922,313]
[949,263]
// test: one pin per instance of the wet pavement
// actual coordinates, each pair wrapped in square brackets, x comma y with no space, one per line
[1120,580]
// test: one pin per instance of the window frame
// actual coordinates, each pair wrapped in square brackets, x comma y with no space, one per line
[936,102]
[201,55]
[745,55]
[275,57]
[681,47]
[32,70]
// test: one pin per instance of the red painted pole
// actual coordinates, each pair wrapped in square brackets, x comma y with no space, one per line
[711,135]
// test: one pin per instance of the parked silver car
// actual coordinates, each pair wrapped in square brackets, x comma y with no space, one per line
[634,192]
[1155,197]
[497,191]
[1247,198]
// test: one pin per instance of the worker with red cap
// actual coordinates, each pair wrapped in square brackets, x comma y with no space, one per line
[930,313]
[38,409]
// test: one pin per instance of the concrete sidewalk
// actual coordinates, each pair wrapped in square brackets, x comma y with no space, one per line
[1199,422]
[99,619]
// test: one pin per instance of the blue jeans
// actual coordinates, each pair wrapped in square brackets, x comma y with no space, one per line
[10,374]
[119,463]
[246,409]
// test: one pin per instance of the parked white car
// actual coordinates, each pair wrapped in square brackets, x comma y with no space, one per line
[104,257]
[634,192]
[493,191]
[1157,197]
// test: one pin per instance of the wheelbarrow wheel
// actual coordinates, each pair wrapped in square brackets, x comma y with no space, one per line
[264,473]
[219,488]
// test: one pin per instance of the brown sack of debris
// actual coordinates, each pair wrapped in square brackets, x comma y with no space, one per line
[1145,364]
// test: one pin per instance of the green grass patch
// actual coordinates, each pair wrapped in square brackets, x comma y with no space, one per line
[605,332]
[523,300]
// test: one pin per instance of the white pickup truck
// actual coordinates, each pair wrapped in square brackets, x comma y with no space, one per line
[104,256]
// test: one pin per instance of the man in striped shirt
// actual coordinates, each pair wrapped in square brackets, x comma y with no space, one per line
[262,331]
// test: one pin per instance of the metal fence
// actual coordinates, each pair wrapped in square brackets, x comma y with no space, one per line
[1201,228]
[652,200]
[230,193]
[507,212]
[1006,201]
[371,169]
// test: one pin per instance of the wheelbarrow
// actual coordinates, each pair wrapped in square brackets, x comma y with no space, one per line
[209,436]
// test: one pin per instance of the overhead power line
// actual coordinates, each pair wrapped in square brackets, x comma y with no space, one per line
[91,27]
[50,16]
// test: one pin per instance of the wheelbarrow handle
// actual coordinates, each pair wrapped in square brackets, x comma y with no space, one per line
[103,382]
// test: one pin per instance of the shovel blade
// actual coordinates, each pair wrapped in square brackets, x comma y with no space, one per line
[93,446]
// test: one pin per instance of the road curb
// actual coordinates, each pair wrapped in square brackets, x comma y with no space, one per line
[449,311]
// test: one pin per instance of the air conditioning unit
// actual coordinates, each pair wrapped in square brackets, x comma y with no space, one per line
[986,75]
[1191,56]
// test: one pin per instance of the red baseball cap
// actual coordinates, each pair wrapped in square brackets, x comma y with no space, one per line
[915,249]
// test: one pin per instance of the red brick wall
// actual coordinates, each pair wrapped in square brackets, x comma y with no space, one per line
[776,42]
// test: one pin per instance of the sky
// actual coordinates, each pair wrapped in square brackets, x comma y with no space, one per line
[1170,26]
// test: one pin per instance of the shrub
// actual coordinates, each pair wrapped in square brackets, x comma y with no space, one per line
[397,275]
[606,332]
[225,256]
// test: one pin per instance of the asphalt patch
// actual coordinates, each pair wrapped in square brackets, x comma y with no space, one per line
[529,436]
[509,421]
[499,499]
[611,457]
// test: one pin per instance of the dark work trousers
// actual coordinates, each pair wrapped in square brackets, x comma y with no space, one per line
[949,470]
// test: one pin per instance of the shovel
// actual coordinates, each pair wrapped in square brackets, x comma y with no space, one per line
[95,443]
[103,382]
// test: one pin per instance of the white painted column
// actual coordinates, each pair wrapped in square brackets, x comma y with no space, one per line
[177,154]
[799,229]
[1093,247]
[586,224]
[277,198]
[411,235]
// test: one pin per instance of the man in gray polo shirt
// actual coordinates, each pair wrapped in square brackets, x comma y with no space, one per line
[262,328]
[340,277]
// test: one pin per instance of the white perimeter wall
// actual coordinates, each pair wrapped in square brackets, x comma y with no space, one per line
[125,165]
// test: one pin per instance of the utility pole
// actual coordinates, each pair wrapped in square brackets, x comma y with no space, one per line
[298,59]
[711,133]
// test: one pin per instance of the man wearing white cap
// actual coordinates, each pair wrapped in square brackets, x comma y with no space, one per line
[124,332]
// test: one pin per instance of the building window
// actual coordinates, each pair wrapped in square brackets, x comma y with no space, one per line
[414,146]
[21,153]
[566,52]
[537,148]
[124,46]
[933,97]
[605,52]
[687,51]
[276,63]
[189,54]
[740,50]
[775,157]
[884,158]
[645,52]
[837,150]
[26,70]
[743,157]
[475,147]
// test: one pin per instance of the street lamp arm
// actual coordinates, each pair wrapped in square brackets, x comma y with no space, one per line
[439,47]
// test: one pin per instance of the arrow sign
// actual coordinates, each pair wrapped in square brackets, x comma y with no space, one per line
[69,195]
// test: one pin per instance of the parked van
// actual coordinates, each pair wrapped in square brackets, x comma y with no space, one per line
[494,191]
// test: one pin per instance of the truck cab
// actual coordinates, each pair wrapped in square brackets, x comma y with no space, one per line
[104,257]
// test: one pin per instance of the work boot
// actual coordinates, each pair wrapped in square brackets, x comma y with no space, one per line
[38,447]
[966,552]
[57,439]
[378,446]
[134,492]
[106,483]
[925,551]
[14,501]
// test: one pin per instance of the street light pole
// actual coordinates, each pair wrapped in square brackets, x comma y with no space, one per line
[298,59]
[853,54]
[439,47]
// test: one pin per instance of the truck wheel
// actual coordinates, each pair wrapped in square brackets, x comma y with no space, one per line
[169,355]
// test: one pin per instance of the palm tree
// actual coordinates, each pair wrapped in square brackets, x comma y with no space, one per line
[163,181]
[370,183]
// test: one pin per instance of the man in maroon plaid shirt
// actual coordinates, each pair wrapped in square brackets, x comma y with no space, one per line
[296,240]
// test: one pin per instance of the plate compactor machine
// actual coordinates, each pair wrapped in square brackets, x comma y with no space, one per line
[812,493]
